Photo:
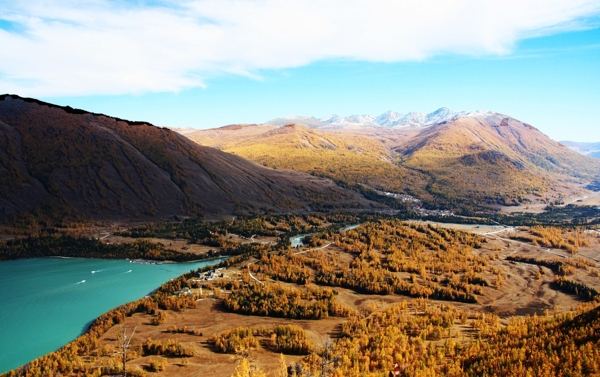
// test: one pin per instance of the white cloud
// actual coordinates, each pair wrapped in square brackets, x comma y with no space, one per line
[78,47]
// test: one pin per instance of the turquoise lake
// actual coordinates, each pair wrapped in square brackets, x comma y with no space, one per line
[47,302]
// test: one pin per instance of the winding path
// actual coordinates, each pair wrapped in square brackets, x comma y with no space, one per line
[318,248]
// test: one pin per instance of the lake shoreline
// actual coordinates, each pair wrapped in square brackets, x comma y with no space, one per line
[78,288]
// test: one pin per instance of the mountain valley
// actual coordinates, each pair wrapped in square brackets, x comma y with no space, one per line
[451,243]
[587,149]
[263,188]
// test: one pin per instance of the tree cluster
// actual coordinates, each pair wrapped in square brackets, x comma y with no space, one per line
[423,338]
[276,300]
[285,267]
[169,347]
[290,339]
[569,286]
[559,238]
[238,340]
[82,247]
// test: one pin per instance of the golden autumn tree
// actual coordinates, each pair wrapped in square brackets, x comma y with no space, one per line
[246,369]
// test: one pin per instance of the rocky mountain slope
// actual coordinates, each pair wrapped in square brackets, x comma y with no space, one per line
[58,161]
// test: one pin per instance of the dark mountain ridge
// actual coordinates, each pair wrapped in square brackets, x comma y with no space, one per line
[59,161]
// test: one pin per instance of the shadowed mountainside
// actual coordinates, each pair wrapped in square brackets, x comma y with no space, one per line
[58,161]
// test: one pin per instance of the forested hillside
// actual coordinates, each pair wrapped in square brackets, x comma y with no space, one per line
[355,301]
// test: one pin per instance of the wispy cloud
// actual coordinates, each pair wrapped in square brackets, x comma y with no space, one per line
[78,47]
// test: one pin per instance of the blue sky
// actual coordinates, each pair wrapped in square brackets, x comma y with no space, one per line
[208,63]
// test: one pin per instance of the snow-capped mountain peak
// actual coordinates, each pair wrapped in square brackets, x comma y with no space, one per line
[395,119]
[360,118]
[389,118]
[333,118]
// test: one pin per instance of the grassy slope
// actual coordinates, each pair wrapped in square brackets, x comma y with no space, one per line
[497,159]
[344,157]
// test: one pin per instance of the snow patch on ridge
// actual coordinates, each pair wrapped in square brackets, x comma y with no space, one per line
[387,119]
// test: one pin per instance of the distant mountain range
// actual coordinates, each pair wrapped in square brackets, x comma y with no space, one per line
[588,149]
[388,119]
[392,119]
[459,160]
[59,162]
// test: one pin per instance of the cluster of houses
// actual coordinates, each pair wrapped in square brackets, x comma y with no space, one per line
[403,197]
[184,292]
[212,274]
[202,276]
[435,212]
